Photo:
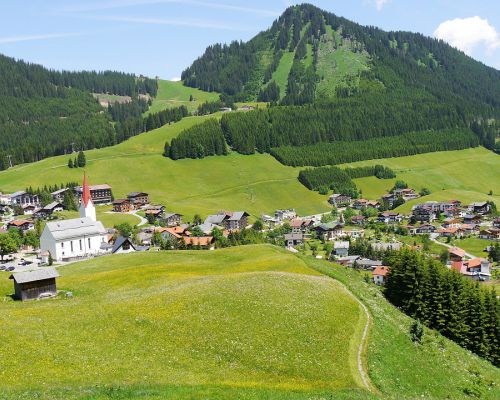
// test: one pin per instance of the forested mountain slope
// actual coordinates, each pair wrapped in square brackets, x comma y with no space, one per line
[45,112]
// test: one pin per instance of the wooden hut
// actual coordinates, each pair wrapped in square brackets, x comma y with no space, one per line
[32,285]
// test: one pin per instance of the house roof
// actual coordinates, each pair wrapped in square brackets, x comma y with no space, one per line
[294,236]
[52,205]
[237,215]
[381,271]
[330,226]
[198,241]
[457,251]
[473,263]
[120,241]
[20,222]
[121,201]
[341,245]
[369,263]
[170,215]
[59,191]
[33,276]
[137,194]
[72,228]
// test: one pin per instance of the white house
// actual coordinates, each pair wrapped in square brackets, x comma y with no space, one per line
[74,238]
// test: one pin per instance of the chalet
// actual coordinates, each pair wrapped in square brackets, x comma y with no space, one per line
[156,211]
[341,249]
[231,221]
[456,254]
[450,232]
[123,245]
[175,233]
[269,220]
[358,220]
[331,230]
[294,239]
[354,233]
[453,212]
[496,223]
[389,199]
[452,223]
[470,229]
[481,207]
[301,225]
[420,214]
[382,246]
[373,204]
[359,204]
[379,275]
[205,242]
[155,207]
[366,263]
[425,229]
[477,269]
[33,285]
[122,206]
[23,198]
[58,195]
[171,219]
[29,209]
[283,215]
[5,199]
[435,206]
[390,217]
[472,219]
[138,199]
[339,200]
[100,194]
[5,209]
[49,209]
[406,194]
[346,261]
[22,224]
[490,234]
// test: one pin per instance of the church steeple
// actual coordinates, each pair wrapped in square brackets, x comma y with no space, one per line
[87,209]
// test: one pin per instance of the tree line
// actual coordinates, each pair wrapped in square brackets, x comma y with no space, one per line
[459,308]
[199,141]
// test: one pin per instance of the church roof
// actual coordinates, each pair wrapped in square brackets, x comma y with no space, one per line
[75,228]
[85,192]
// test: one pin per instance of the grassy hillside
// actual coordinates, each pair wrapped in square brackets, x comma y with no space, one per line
[466,175]
[256,183]
[280,76]
[264,323]
[174,94]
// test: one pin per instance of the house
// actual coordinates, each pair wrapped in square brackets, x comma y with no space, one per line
[331,230]
[425,229]
[32,285]
[122,206]
[341,249]
[339,200]
[450,232]
[231,221]
[29,209]
[271,221]
[390,217]
[49,209]
[301,225]
[156,210]
[366,263]
[283,215]
[346,261]
[171,219]
[138,199]
[389,199]
[294,239]
[123,245]
[23,198]
[481,207]
[406,194]
[381,246]
[470,229]
[452,223]
[477,269]
[58,195]
[456,254]
[358,220]
[496,223]
[75,238]
[100,194]
[205,242]
[490,234]
[22,224]
[359,204]
[421,214]
[354,233]
[472,219]
[379,275]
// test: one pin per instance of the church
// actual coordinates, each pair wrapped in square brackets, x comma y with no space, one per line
[75,238]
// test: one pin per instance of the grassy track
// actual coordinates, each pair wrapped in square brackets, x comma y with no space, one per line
[280,76]
[174,94]
[466,175]
[236,318]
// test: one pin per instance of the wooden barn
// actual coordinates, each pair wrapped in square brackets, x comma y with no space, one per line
[34,285]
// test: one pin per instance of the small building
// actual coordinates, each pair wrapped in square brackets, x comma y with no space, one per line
[58,195]
[205,242]
[481,207]
[29,209]
[346,261]
[293,239]
[490,234]
[231,221]
[32,285]
[282,215]
[456,254]
[138,199]
[341,249]
[49,209]
[421,214]
[477,269]
[366,263]
[472,218]
[172,219]
[389,217]
[339,200]
[122,206]
[358,220]
[379,275]
[23,198]
[496,223]
[123,245]
[331,230]
[425,229]
[383,246]
[100,194]
[23,224]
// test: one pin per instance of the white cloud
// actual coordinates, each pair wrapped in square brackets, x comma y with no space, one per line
[27,38]
[380,4]
[176,79]
[467,34]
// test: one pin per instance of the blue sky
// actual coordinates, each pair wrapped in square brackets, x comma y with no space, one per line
[162,37]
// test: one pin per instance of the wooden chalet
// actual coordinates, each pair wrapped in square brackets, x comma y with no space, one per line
[34,285]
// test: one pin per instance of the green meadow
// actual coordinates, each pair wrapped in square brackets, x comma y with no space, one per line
[236,319]
[258,183]
[280,76]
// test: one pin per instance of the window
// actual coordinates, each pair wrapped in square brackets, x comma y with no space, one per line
[71,243]
[80,244]
[62,245]
[89,243]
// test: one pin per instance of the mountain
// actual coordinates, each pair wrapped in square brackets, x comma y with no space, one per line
[311,55]
[45,112]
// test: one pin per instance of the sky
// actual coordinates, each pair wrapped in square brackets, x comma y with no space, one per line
[163,37]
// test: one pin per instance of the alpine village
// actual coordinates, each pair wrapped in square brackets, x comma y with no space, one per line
[310,214]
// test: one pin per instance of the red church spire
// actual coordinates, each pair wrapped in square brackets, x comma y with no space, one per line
[85,191]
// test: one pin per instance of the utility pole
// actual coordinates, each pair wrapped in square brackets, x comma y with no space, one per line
[10,160]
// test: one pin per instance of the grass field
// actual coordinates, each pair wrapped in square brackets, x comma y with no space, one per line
[466,175]
[258,183]
[252,317]
[175,94]
[104,214]
[473,245]
[280,76]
